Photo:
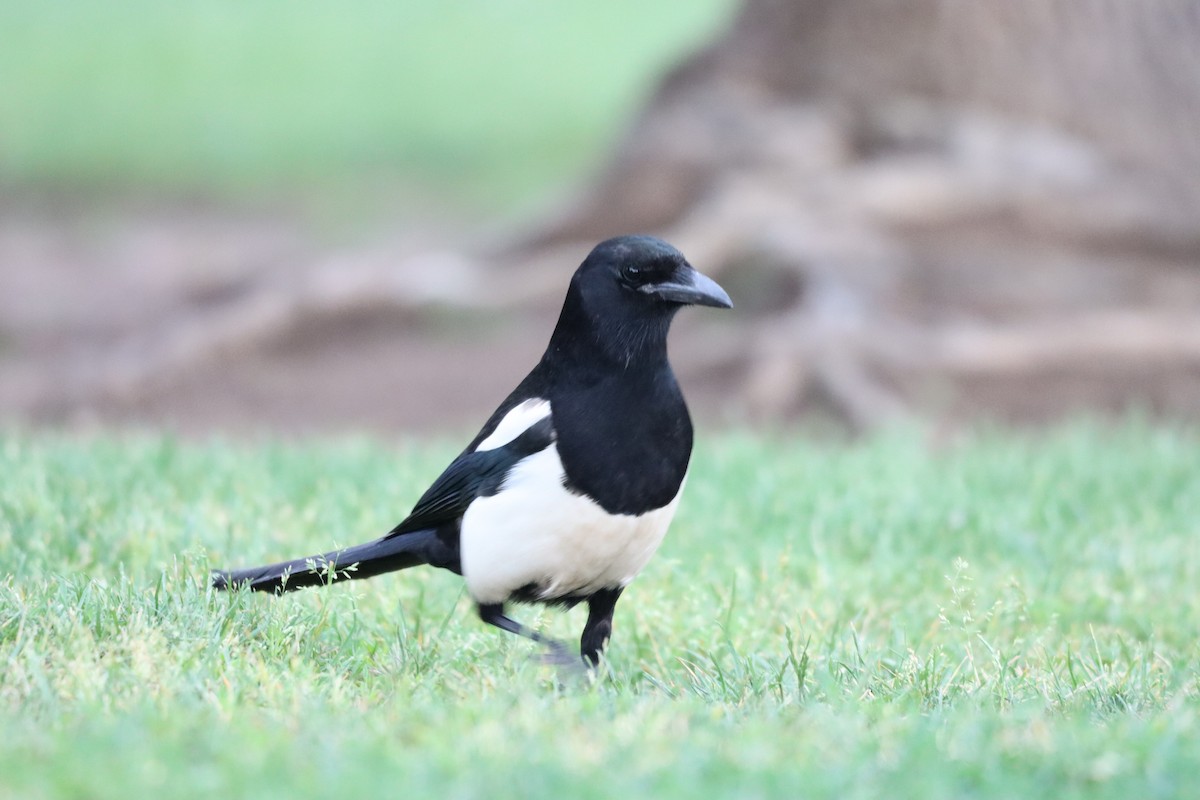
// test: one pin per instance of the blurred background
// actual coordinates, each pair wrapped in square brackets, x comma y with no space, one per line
[316,217]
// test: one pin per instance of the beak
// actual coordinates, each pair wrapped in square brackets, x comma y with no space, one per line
[690,288]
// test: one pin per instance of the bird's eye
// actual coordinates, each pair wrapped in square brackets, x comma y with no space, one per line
[631,272]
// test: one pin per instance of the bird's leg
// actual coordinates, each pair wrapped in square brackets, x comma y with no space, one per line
[598,629]
[493,614]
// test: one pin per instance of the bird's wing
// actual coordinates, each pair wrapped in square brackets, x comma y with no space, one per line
[474,474]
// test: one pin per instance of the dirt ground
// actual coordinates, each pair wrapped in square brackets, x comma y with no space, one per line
[202,321]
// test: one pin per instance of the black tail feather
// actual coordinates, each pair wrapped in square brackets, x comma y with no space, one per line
[391,553]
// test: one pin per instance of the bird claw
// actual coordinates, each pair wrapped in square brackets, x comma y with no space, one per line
[559,656]
[556,654]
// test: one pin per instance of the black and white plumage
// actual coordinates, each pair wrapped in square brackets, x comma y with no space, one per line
[568,489]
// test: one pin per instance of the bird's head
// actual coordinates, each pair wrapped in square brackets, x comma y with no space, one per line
[626,292]
[643,274]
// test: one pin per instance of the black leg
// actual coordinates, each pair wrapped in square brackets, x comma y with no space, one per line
[494,615]
[598,629]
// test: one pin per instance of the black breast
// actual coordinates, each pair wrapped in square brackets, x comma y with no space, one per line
[625,440]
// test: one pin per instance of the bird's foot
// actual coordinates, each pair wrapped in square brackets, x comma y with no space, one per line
[567,664]
[557,654]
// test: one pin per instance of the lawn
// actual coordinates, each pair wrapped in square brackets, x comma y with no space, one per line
[472,101]
[1006,615]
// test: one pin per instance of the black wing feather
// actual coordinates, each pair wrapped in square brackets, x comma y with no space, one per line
[471,475]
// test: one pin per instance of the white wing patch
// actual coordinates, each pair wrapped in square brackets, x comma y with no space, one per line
[519,419]
[535,531]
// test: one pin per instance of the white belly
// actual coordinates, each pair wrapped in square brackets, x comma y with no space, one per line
[534,531]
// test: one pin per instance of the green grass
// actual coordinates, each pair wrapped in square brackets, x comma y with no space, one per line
[488,101]
[1010,616]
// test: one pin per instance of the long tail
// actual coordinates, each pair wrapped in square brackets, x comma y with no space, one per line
[388,554]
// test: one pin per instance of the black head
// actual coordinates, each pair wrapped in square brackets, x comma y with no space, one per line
[625,294]
[643,273]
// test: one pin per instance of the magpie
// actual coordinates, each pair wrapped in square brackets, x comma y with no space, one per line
[568,489]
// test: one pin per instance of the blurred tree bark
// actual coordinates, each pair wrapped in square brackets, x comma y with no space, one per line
[933,205]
